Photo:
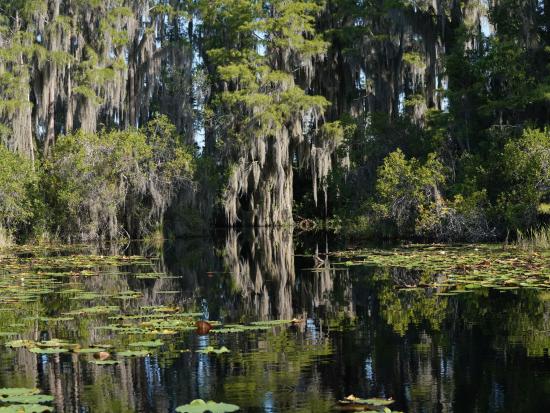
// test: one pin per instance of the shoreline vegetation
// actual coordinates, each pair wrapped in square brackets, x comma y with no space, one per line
[175,118]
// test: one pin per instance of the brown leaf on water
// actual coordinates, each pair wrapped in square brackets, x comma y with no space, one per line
[203,327]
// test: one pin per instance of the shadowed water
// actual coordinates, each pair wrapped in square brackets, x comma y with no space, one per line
[362,334]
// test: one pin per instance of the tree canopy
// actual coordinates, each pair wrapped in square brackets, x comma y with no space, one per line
[381,117]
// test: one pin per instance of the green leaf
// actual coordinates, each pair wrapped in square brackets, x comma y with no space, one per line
[26,408]
[28,399]
[90,350]
[379,402]
[17,391]
[200,406]
[50,350]
[133,353]
[104,362]
[211,349]
[156,343]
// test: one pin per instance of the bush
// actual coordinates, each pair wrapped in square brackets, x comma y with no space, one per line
[19,205]
[526,169]
[410,196]
[117,183]
[463,218]
[405,188]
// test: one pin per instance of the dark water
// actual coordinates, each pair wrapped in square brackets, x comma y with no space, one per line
[485,351]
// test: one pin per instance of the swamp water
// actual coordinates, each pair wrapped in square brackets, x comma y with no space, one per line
[295,329]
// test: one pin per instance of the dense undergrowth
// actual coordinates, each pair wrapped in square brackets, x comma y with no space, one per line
[308,110]
[95,186]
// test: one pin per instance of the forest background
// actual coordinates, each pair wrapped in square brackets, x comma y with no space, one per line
[376,118]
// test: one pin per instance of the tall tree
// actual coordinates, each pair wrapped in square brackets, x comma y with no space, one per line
[262,122]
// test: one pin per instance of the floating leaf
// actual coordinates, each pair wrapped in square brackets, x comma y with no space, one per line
[271,322]
[48,350]
[20,343]
[104,362]
[133,353]
[200,406]
[18,391]
[156,343]
[54,343]
[203,327]
[351,401]
[379,402]
[28,399]
[91,350]
[26,408]
[211,349]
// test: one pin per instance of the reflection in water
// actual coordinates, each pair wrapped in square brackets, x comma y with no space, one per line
[365,331]
[252,275]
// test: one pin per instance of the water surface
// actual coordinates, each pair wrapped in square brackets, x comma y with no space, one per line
[359,332]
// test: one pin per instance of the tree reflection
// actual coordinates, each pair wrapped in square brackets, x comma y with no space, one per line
[367,331]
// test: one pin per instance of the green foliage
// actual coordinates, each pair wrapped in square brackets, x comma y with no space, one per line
[424,136]
[200,406]
[406,187]
[260,95]
[19,204]
[112,183]
[534,239]
[526,172]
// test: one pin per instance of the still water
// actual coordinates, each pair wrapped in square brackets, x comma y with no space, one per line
[358,332]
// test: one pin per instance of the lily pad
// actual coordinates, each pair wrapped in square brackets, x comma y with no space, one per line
[200,406]
[156,343]
[379,402]
[271,322]
[48,350]
[352,400]
[211,349]
[91,350]
[26,408]
[17,391]
[133,353]
[28,399]
[19,343]
[104,362]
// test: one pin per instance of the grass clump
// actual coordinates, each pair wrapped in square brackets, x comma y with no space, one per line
[536,238]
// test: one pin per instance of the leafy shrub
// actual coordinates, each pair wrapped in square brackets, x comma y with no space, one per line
[410,196]
[526,169]
[463,218]
[19,205]
[405,188]
[114,184]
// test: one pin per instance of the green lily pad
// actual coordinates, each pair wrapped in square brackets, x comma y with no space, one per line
[376,402]
[104,362]
[156,343]
[90,350]
[379,402]
[200,406]
[271,322]
[133,353]
[17,391]
[28,399]
[26,408]
[229,330]
[19,343]
[54,343]
[48,350]
[211,349]
[94,310]
[55,319]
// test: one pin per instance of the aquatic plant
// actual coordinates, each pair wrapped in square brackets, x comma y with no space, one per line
[200,406]
[533,239]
